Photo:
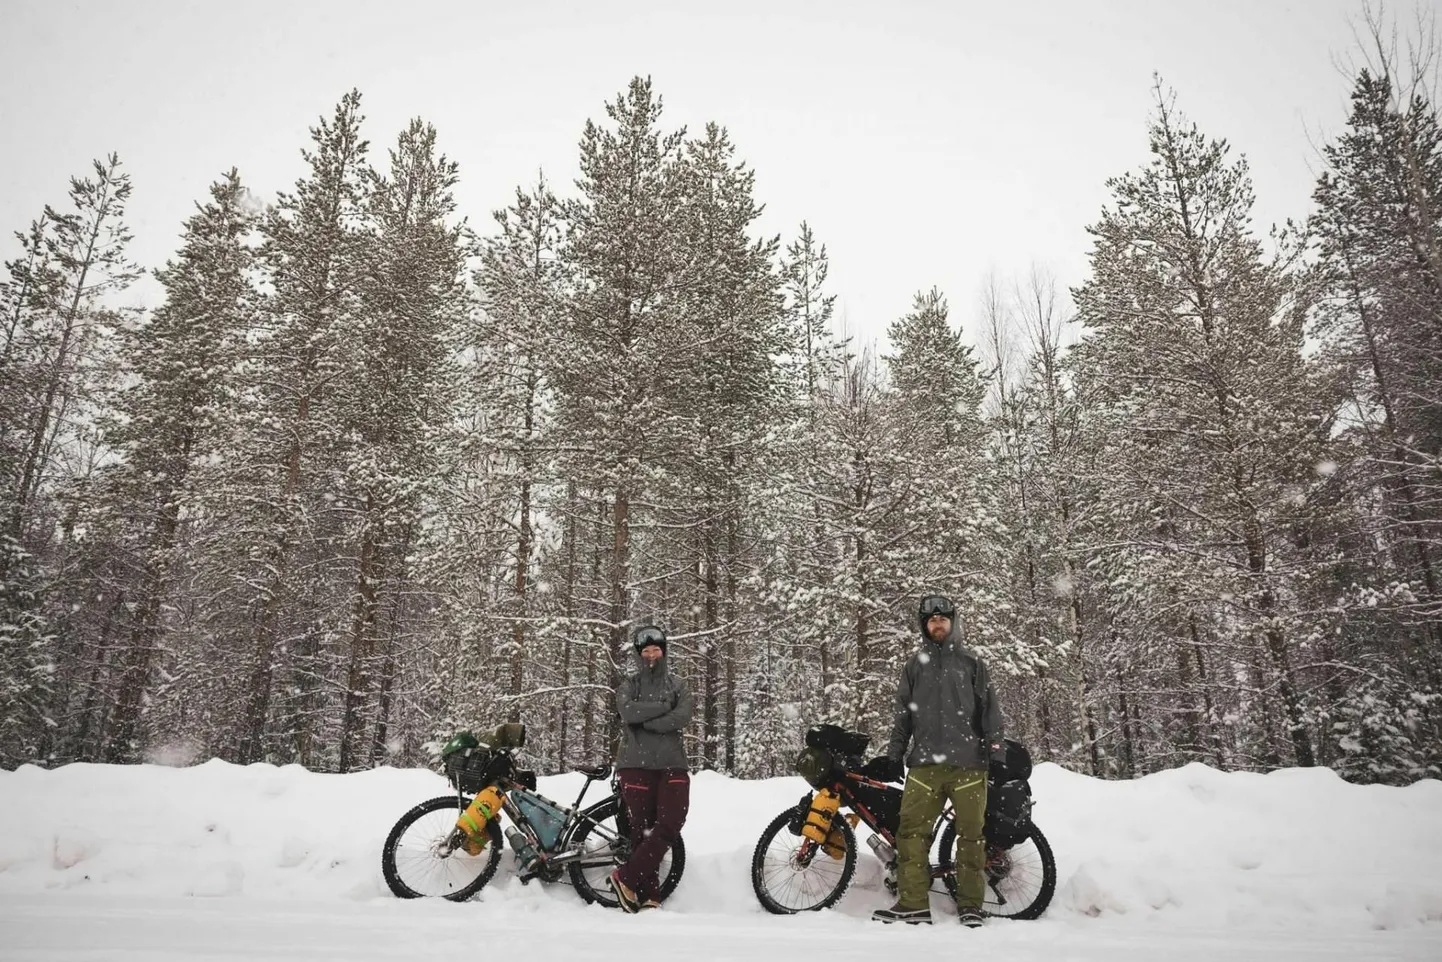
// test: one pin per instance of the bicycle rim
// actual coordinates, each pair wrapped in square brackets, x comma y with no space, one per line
[602,850]
[421,870]
[790,876]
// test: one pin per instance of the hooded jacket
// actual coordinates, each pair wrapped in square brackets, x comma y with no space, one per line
[945,707]
[655,707]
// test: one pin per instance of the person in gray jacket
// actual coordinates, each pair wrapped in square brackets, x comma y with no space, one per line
[946,710]
[652,768]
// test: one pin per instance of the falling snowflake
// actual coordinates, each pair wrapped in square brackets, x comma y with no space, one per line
[250,202]
[938,757]
[924,657]
[912,706]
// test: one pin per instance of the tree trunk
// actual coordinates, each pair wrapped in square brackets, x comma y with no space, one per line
[620,600]
[1086,719]
[389,667]
[1129,750]
[1191,715]
[590,712]
[568,605]
[733,610]
[82,751]
[358,675]
[1210,716]
[710,734]
[1277,647]
[262,673]
[520,586]
[138,661]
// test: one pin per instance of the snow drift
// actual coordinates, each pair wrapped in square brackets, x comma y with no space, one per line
[1294,851]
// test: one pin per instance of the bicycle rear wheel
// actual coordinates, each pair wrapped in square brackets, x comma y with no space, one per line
[1020,880]
[603,837]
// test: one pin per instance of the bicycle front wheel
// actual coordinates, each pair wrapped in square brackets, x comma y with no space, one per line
[418,861]
[790,874]
[602,838]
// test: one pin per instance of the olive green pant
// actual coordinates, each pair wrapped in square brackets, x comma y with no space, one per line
[926,791]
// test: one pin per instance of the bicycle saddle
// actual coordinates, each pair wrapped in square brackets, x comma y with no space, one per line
[596,772]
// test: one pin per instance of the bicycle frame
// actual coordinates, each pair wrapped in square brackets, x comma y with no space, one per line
[553,857]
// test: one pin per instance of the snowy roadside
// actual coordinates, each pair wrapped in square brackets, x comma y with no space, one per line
[224,862]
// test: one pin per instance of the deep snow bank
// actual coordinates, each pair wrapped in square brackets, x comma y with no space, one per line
[1291,848]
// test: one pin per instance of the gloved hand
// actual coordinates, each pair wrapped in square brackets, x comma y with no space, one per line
[883,769]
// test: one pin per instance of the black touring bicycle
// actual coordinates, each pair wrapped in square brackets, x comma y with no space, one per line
[806,857]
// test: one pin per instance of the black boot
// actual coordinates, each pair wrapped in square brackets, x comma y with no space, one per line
[900,913]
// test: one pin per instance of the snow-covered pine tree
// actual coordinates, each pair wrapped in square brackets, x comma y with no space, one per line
[629,260]
[56,362]
[1379,231]
[1038,497]
[727,394]
[789,586]
[522,287]
[294,585]
[1209,419]
[941,538]
[866,489]
[395,406]
[30,287]
[181,363]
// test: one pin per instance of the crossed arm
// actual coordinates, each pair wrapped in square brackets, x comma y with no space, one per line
[634,712]
[674,718]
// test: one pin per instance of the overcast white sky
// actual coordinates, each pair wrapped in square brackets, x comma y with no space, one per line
[929,144]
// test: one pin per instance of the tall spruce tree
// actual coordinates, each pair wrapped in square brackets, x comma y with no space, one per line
[521,282]
[395,407]
[182,363]
[56,365]
[621,328]
[728,394]
[314,253]
[1379,232]
[1209,416]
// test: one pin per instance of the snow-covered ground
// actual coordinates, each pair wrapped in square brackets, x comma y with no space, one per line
[227,862]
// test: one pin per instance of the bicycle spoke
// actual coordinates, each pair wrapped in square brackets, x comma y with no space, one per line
[426,873]
[1023,880]
[795,887]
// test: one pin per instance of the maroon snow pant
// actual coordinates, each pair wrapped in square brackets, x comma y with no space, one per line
[656,806]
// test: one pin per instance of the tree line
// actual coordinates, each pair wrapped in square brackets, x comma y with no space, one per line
[370,474]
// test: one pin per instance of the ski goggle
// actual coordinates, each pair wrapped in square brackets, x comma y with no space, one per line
[933,605]
[650,636]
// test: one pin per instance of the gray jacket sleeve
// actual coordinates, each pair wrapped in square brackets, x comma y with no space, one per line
[990,710]
[901,716]
[678,717]
[635,712]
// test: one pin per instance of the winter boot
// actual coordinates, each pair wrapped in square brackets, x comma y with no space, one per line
[900,913]
[971,918]
[625,895]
